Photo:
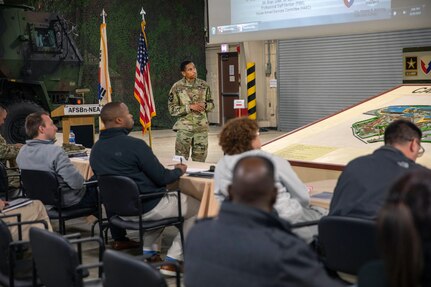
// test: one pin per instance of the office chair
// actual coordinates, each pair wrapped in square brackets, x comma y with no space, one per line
[58,263]
[120,268]
[347,243]
[120,196]
[8,191]
[12,261]
[44,186]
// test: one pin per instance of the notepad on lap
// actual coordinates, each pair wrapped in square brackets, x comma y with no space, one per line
[17,203]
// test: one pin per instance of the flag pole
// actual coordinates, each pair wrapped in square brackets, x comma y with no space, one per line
[104,89]
[150,138]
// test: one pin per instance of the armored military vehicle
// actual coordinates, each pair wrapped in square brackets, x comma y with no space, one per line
[40,65]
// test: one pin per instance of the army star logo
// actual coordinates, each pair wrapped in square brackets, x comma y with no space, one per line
[411,63]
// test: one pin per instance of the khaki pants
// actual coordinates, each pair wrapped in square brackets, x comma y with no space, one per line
[168,207]
[33,211]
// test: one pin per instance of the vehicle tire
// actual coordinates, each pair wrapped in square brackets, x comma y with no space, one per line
[13,129]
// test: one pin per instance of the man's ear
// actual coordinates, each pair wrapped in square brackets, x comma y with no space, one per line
[229,191]
[183,73]
[274,196]
[412,146]
[118,120]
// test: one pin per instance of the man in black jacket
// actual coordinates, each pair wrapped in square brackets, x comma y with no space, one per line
[248,245]
[116,153]
[364,184]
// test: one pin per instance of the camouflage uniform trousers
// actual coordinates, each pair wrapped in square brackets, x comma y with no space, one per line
[197,141]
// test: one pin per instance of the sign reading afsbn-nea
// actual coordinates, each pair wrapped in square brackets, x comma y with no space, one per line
[93,109]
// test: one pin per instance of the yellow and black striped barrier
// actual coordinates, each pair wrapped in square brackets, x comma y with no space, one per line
[251,90]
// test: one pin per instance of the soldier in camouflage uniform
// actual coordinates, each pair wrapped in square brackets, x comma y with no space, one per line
[190,100]
[8,152]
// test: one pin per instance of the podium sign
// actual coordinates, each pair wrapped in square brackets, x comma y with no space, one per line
[80,119]
[74,110]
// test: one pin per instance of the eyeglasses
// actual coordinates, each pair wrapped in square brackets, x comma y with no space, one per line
[421,149]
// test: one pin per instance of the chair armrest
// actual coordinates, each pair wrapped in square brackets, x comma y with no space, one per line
[88,239]
[152,194]
[304,224]
[157,194]
[72,236]
[91,183]
[20,223]
[101,251]
[17,215]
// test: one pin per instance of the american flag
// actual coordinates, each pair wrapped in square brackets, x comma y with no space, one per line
[143,91]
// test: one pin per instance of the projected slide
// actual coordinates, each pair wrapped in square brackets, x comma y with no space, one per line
[309,12]
[302,18]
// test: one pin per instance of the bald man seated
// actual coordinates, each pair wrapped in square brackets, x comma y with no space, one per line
[247,245]
[117,153]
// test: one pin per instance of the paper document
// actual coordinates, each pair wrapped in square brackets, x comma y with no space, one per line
[16,203]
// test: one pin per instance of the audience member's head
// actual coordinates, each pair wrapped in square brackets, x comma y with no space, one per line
[39,125]
[253,183]
[116,115]
[404,225]
[239,135]
[405,136]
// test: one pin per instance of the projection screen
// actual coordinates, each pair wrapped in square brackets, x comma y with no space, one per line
[248,20]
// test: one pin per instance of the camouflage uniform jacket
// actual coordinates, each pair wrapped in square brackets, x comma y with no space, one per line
[7,151]
[181,96]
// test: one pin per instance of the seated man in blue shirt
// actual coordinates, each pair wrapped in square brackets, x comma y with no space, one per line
[247,245]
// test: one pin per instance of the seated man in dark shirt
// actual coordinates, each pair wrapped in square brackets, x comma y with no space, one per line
[247,245]
[117,153]
[364,183]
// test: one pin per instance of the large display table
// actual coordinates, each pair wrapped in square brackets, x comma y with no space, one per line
[321,149]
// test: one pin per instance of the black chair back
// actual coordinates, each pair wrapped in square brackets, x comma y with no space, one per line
[120,268]
[56,260]
[347,243]
[4,184]
[5,240]
[124,204]
[41,185]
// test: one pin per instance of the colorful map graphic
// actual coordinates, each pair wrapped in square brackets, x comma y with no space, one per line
[372,130]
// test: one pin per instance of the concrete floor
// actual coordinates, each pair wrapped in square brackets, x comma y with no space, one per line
[163,146]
